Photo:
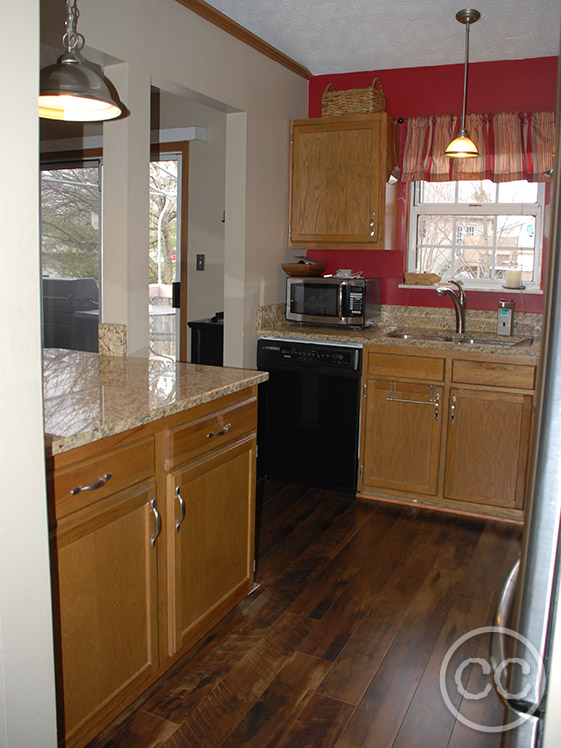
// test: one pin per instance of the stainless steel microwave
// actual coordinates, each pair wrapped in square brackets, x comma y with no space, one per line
[334,301]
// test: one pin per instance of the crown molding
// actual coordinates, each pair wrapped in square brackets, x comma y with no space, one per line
[214,16]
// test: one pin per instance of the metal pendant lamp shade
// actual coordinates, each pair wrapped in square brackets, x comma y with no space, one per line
[463,146]
[71,89]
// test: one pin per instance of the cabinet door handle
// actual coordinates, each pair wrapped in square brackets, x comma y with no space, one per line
[453,410]
[225,430]
[158,523]
[372,222]
[181,507]
[93,486]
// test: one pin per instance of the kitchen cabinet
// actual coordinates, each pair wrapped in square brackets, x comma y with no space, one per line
[153,549]
[338,195]
[402,424]
[104,581]
[211,519]
[489,433]
[449,429]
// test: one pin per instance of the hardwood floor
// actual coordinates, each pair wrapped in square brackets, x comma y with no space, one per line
[342,644]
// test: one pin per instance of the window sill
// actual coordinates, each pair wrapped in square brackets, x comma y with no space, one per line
[500,289]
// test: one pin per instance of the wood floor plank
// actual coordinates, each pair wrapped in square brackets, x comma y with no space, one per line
[318,725]
[337,626]
[377,719]
[212,720]
[142,731]
[282,516]
[301,536]
[271,715]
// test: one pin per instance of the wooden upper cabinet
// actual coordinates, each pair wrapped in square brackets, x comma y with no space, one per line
[337,184]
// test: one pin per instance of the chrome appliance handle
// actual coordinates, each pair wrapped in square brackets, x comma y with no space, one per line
[340,299]
[498,651]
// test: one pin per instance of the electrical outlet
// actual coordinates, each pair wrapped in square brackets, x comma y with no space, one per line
[200,262]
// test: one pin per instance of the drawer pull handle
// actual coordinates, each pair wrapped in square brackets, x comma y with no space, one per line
[158,523]
[372,218]
[223,431]
[453,410]
[93,486]
[182,508]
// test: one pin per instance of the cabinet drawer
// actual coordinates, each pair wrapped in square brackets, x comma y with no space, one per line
[212,432]
[127,465]
[411,367]
[494,373]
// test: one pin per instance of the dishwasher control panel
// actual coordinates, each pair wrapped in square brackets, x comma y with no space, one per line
[333,356]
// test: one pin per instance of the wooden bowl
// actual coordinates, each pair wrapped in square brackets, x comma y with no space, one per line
[304,269]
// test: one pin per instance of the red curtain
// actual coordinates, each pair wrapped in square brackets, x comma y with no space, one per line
[512,146]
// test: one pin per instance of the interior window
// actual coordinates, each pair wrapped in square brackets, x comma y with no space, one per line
[476,231]
[70,254]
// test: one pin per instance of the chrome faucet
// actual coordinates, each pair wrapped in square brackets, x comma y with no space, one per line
[459,299]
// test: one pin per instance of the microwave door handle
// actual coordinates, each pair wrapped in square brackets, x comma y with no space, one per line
[340,299]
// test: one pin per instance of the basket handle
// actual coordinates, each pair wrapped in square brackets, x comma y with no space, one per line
[377,80]
[329,86]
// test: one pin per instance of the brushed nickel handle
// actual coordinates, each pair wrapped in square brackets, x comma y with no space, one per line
[158,523]
[93,486]
[372,218]
[453,410]
[223,431]
[181,507]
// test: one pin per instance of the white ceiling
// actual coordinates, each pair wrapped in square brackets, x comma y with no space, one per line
[336,36]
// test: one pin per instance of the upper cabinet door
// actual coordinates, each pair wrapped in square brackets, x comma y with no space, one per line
[339,167]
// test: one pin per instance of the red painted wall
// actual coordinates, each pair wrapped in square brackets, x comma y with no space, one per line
[509,85]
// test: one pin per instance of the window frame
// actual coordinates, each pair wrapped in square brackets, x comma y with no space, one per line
[537,210]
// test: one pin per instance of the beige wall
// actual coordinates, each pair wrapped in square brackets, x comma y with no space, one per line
[165,44]
[27,704]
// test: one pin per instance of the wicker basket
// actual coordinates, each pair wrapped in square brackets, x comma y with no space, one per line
[353,101]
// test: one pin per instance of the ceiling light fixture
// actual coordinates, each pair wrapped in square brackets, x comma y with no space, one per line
[462,146]
[71,89]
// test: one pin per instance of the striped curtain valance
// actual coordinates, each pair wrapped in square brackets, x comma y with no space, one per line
[512,146]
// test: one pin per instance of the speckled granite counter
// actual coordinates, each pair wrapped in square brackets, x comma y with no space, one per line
[479,324]
[88,397]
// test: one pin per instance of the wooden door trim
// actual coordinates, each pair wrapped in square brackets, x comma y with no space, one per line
[217,18]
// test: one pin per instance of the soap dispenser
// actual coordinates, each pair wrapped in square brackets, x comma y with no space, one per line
[505,317]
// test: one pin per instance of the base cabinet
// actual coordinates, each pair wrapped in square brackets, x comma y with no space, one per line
[451,429]
[106,574]
[152,535]
[212,529]
[487,447]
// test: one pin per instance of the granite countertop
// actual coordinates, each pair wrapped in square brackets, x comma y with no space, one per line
[88,397]
[419,320]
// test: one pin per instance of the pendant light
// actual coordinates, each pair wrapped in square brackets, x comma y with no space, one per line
[71,89]
[462,146]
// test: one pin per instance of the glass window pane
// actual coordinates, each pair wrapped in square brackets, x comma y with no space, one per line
[438,192]
[70,256]
[477,192]
[518,192]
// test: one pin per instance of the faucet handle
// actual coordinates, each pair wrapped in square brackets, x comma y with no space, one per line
[463,296]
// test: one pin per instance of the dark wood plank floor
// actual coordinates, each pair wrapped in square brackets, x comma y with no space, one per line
[342,643]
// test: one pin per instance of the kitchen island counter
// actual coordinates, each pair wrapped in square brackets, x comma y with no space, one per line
[88,397]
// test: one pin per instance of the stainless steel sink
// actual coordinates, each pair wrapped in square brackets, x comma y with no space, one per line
[505,342]
[419,336]
[461,339]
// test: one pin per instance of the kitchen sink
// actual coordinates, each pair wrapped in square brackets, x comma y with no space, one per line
[461,339]
[419,336]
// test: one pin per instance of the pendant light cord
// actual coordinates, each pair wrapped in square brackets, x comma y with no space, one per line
[465,76]
[72,39]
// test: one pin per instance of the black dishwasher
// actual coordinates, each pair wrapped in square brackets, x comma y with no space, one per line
[309,413]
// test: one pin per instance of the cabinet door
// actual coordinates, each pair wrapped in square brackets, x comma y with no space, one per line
[211,524]
[487,449]
[401,441]
[105,602]
[337,183]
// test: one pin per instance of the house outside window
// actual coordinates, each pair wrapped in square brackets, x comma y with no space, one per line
[476,231]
